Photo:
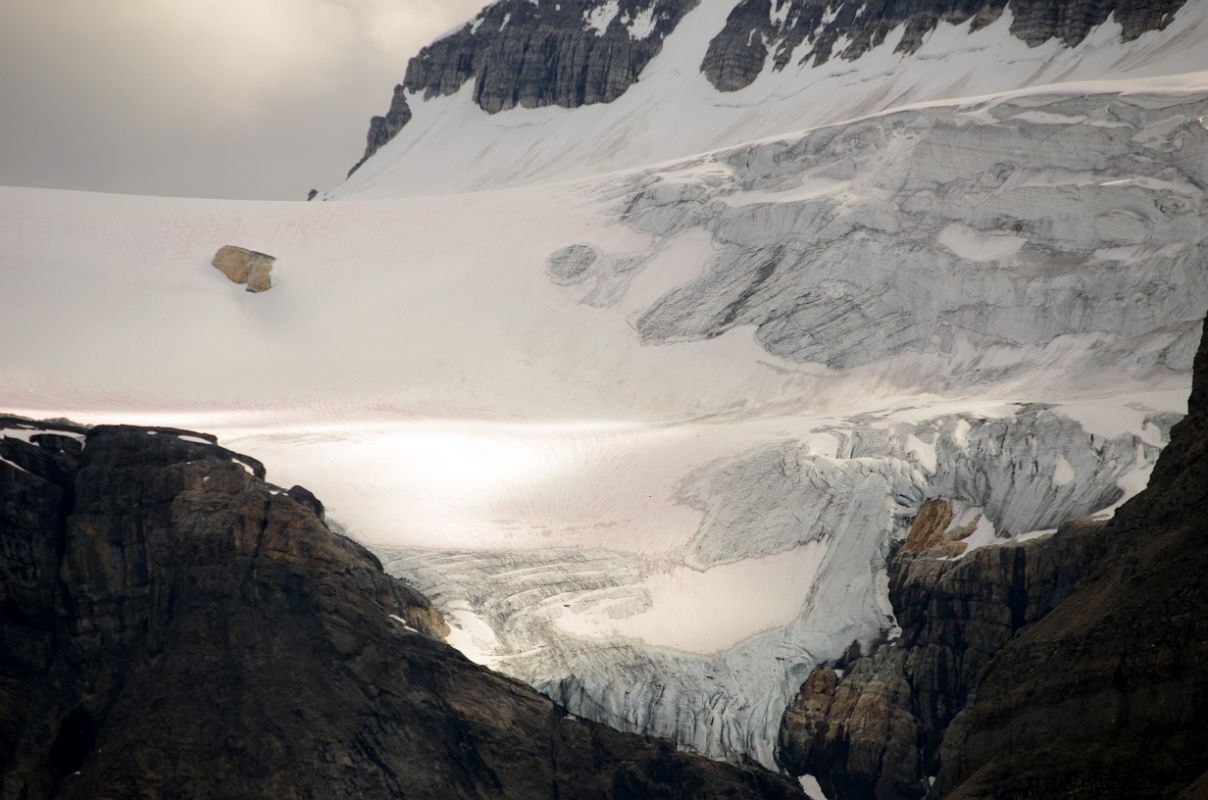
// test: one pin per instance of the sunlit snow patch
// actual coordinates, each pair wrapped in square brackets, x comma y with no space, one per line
[712,610]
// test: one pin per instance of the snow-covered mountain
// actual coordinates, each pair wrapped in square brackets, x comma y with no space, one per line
[547,90]
[648,327]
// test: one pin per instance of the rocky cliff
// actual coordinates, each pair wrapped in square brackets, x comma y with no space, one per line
[383,129]
[535,53]
[814,31]
[525,53]
[172,625]
[1066,666]
[571,53]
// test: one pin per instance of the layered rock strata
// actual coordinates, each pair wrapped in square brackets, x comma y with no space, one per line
[530,54]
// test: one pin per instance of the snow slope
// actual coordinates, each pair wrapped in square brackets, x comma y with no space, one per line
[646,436]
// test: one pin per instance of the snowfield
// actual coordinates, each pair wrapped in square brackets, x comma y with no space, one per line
[646,434]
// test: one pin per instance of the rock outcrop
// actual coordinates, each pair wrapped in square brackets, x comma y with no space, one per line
[531,54]
[246,267]
[383,129]
[871,726]
[568,53]
[174,626]
[1065,666]
[847,29]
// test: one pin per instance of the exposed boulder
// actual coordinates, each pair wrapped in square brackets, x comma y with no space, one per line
[174,626]
[382,129]
[246,267]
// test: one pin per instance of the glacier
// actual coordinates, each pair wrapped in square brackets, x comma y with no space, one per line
[646,432]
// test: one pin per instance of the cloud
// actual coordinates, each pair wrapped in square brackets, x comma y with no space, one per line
[201,97]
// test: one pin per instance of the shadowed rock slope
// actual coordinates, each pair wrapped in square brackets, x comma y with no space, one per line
[1071,666]
[171,625]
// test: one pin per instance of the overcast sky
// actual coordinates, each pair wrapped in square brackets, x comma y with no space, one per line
[204,98]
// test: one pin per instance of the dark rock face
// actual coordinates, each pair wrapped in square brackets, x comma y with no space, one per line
[757,28]
[567,53]
[535,53]
[173,626]
[32,507]
[737,54]
[854,730]
[1107,696]
[383,129]
[1066,666]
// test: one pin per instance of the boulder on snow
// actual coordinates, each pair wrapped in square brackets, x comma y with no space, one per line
[246,267]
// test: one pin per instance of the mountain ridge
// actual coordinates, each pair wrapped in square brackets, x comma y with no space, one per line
[519,53]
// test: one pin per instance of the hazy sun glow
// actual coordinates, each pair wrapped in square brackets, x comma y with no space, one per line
[211,98]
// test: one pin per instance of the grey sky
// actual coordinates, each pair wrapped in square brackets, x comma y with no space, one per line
[207,98]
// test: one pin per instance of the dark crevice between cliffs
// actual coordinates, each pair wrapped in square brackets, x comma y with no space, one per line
[72,745]
[1072,665]
[175,626]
